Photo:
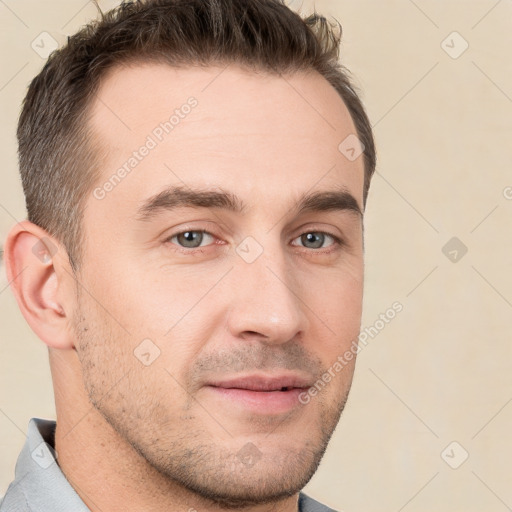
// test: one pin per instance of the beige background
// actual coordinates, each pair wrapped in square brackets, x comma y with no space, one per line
[441,370]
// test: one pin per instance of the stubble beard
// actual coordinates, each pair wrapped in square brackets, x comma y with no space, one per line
[190,457]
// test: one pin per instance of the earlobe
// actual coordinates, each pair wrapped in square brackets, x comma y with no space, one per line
[30,258]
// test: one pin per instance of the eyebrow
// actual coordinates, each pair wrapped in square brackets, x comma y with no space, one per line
[179,197]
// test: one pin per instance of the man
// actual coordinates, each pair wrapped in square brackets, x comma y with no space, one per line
[195,174]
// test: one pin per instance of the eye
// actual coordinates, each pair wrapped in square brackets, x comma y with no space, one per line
[317,240]
[191,239]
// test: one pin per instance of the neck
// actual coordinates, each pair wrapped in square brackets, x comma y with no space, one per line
[104,469]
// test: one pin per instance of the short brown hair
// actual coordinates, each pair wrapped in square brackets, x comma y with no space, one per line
[59,163]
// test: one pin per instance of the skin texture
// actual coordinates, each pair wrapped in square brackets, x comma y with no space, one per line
[133,436]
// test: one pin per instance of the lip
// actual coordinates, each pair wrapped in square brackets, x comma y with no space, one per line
[263,382]
[262,394]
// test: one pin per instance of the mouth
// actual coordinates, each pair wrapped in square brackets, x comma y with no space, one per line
[263,394]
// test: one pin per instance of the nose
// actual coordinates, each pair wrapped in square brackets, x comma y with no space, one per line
[265,302]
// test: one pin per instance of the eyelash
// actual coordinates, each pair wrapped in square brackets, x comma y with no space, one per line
[337,242]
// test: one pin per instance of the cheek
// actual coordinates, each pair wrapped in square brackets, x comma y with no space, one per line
[152,300]
[97,343]
[336,309]
[123,375]
[162,318]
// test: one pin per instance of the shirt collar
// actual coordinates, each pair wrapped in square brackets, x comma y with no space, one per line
[39,478]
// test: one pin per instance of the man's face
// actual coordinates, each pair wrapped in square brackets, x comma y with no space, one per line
[200,308]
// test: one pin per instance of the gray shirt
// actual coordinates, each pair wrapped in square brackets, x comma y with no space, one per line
[40,485]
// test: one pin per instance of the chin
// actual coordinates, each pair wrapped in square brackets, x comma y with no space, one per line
[249,480]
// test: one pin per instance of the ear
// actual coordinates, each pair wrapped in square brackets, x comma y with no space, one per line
[31,260]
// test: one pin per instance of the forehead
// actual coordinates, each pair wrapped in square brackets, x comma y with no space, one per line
[213,125]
